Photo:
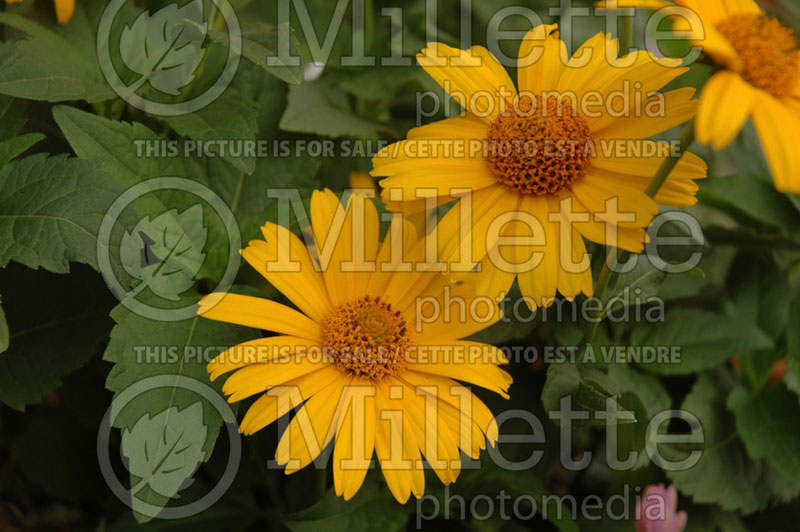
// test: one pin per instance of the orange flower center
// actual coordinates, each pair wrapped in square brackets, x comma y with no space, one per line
[539,149]
[768,50]
[367,337]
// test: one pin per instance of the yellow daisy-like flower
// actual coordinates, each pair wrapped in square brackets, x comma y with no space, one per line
[760,79]
[64,9]
[368,372]
[575,103]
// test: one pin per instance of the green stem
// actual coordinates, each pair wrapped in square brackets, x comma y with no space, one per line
[685,142]
[321,486]
[369,14]
[626,35]
[608,274]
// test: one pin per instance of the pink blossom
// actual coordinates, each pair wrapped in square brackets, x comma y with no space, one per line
[657,510]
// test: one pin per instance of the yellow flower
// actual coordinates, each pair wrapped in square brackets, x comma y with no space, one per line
[760,79]
[559,197]
[362,181]
[371,374]
[64,9]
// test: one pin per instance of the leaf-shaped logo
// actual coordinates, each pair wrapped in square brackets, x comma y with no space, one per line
[162,49]
[167,252]
[163,451]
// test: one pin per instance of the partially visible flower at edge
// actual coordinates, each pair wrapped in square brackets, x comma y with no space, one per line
[64,9]
[657,510]
[759,78]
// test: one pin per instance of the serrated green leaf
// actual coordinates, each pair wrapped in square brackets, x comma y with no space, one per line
[589,393]
[16,146]
[317,108]
[725,474]
[231,117]
[12,119]
[766,425]
[260,46]
[371,509]
[705,339]
[50,66]
[114,144]
[55,323]
[51,209]
[174,348]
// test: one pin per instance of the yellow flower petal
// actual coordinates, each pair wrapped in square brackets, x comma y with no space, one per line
[283,260]
[725,105]
[678,108]
[260,314]
[258,351]
[542,58]
[269,407]
[64,10]
[474,78]
[779,130]
[312,428]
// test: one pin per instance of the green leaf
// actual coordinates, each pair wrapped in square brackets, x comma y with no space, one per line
[260,46]
[12,119]
[12,147]
[56,324]
[371,509]
[491,478]
[377,83]
[114,144]
[590,392]
[759,291]
[642,282]
[269,94]
[705,339]
[3,329]
[140,348]
[51,209]
[643,395]
[232,117]
[725,474]
[562,380]
[765,424]
[751,199]
[247,195]
[323,110]
[793,347]
[50,65]
[164,450]
[713,519]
